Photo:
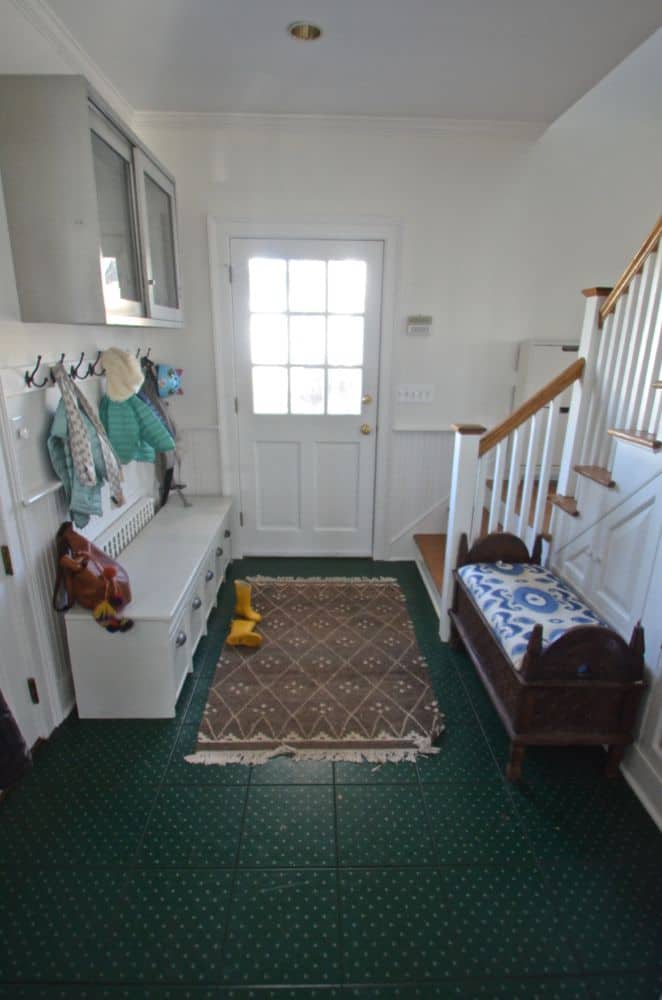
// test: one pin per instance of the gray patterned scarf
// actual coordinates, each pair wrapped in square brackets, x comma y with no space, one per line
[79,442]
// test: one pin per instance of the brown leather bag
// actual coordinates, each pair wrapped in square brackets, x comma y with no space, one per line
[86,575]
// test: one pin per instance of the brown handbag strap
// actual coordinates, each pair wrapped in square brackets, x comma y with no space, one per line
[63,549]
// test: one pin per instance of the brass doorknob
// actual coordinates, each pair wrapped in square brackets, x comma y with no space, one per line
[366,399]
[366,429]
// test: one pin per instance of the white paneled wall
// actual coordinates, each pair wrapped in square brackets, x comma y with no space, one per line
[419,486]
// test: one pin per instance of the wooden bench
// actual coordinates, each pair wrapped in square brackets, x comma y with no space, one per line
[582,687]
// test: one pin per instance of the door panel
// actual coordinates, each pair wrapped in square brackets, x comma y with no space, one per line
[306,325]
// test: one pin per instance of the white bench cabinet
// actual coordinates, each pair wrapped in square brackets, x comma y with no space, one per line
[176,565]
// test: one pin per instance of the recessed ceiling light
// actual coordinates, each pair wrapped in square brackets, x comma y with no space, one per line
[303,31]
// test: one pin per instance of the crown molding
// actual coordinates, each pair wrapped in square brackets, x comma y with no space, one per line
[49,25]
[215,120]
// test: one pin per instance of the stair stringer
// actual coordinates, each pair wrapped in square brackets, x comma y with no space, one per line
[632,468]
[628,523]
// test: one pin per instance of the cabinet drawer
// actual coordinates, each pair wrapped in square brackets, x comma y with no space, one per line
[181,650]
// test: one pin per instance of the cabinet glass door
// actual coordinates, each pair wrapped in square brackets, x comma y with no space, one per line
[156,200]
[120,261]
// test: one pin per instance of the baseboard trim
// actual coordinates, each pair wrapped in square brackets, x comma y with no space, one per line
[644,782]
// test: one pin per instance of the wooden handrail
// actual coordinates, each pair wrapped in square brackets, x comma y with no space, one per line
[647,247]
[531,406]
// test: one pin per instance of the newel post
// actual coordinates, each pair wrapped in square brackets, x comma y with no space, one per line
[463,486]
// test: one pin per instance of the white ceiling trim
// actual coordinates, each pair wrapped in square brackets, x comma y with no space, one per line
[40,15]
[357,123]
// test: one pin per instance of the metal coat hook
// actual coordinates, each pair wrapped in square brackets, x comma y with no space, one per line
[75,372]
[92,368]
[30,376]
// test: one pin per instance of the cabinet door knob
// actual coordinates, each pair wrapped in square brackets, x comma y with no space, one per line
[209,575]
[151,282]
[196,603]
[219,551]
[227,533]
[181,638]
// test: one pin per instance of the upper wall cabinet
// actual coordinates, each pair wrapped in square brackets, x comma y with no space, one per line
[91,213]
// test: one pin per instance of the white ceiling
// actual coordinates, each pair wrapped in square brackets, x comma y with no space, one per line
[498,60]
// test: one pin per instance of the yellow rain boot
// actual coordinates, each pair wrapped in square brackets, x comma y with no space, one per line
[242,634]
[242,606]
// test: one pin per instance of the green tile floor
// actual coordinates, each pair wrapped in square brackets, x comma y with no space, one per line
[125,872]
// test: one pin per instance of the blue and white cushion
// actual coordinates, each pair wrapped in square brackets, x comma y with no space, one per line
[514,597]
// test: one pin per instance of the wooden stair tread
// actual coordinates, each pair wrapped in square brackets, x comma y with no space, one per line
[597,473]
[433,550]
[636,437]
[567,504]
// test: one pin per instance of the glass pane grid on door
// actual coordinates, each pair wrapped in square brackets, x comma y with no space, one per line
[307,321]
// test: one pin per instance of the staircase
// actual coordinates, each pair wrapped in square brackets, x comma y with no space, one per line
[502,478]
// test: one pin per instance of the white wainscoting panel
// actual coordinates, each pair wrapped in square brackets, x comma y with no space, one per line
[419,486]
[201,464]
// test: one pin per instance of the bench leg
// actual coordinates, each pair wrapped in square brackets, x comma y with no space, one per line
[454,640]
[614,758]
[514,767]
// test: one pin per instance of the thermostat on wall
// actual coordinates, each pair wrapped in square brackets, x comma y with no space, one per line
[419,326]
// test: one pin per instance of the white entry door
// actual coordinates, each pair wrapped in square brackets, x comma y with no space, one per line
[306,327]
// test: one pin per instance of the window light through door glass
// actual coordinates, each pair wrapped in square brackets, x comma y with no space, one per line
[347,283]
[307,286]
[268,284]
[307,390]
[269,339]
[307,335]
[307,340]
[344,395]
[269,389]
[345,340]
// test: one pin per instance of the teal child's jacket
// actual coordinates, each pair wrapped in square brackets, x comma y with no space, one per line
[135,432]
[83,501]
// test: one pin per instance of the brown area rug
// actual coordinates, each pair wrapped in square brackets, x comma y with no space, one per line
[339,676]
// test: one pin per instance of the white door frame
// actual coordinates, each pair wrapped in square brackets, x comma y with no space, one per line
[220,232]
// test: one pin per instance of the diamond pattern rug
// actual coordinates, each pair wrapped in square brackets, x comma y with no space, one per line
[339,676]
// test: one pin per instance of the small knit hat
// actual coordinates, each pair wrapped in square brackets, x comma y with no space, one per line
[124,375]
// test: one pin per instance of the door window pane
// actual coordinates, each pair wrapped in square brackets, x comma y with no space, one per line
[160,224]
[119,260]
[269,339]
[345,344]
[268,284]
[307,279]
[344,390]
[307,390]
[307,340]
[269,389]
[347,281]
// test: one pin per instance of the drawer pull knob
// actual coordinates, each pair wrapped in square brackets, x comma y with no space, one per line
[227,533]
[197,603]
[181,639]
[209,575]
[219,551]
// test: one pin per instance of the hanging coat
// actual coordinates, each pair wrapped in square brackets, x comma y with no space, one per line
[135,432]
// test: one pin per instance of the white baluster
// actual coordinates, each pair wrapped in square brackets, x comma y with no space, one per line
[530,472]
[583,392]
[479,497]
[514,476]
[635,344]
[614,377]
[497,486]
[645,357]
[546,466]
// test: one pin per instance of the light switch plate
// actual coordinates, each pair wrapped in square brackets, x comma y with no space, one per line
[414,393]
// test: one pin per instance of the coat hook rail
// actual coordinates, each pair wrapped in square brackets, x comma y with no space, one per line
[75,371]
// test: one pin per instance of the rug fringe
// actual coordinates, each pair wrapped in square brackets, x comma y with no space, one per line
[393,756]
